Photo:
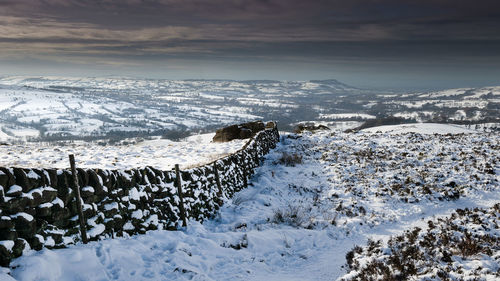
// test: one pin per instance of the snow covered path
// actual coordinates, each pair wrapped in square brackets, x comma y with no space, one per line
[294,223]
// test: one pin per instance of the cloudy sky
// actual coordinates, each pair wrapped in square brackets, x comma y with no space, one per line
[414,44]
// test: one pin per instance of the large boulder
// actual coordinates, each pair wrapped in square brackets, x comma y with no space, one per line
[241,131]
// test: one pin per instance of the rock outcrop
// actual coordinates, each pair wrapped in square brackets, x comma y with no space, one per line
[241,131]
[299,128]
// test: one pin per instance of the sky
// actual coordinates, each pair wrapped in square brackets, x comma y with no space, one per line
[385,44]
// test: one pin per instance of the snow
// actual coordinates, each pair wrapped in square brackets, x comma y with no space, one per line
[417,115]
[128,226]
[137,214]
[347,116]
[485,127]
[46,205]
[159,153]
[447,249]
[38,190]
[446,93]
[297,223]
[89,189]
[96,230]
[7,244]
[40,238]
[134,194]
[26,216]
[49,242]
[111,206]
[421,128]
[58,202]
[15,188]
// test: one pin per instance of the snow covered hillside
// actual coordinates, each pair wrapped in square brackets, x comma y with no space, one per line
[159,153]
[421,128]
[315,198]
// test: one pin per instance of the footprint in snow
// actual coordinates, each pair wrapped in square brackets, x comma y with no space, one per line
[102,254]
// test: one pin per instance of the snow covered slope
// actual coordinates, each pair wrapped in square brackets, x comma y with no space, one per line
[421,128]
[316,196]
[159,153]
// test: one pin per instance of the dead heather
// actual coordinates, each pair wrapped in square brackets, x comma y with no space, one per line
[290,159]
[463,246]
[412,167]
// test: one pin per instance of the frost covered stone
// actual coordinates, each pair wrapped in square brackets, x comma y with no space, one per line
[128,226]
[15,191]
[7,244]
[23,215]
[137,214]
[96,230]
[59,202]
[32,175]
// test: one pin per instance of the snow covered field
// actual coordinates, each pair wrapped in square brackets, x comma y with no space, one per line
[299,218]
[347,116]
[422,128]
[159,153]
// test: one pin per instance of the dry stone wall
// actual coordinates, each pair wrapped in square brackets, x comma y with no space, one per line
[38,206]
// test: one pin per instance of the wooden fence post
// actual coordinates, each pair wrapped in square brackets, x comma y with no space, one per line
[178,182]
[83,230]
[217,180]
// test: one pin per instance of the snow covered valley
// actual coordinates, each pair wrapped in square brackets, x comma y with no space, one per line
[315,198]
[59,108]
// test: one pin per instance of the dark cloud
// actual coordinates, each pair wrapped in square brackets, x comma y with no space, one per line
[326,32]
[317,15]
